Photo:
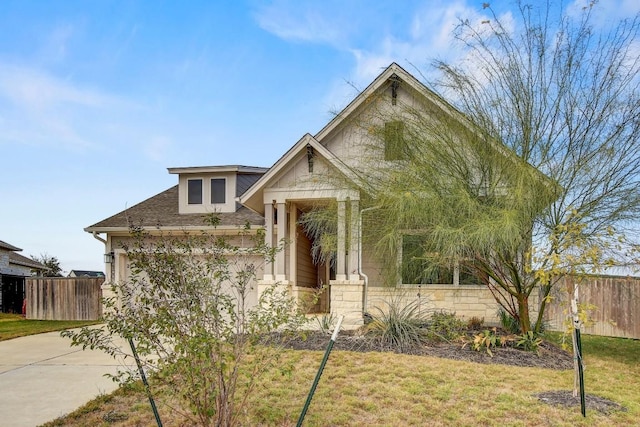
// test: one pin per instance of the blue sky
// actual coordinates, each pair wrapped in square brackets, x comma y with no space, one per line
[98,98]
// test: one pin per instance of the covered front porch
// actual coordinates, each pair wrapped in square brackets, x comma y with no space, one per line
[336,288]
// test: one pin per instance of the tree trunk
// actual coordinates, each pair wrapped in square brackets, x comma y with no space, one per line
[523,313]
[546,290]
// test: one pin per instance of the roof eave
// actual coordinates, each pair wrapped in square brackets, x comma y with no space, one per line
[188,228]
[218,169]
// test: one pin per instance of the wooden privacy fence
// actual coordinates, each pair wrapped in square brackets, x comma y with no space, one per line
[63,298]
[616,300]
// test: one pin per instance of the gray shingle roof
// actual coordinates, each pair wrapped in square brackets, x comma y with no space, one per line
[161,210]
[85,273]
[5,245]
[18,259]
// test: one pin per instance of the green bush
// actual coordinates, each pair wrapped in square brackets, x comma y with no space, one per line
[186,307]
[443,326]
[529,341]
[507,322]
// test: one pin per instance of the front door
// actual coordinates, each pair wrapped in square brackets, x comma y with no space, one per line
[310,275]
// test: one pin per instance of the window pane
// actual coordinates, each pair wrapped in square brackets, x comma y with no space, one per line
[468,274]
[394,140]
[194,191]
[218,190]
[417,267]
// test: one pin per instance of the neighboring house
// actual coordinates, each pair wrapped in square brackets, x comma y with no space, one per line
[85,273]
[14,268]
[274,198]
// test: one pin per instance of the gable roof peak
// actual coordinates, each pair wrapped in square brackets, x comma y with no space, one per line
[394,73]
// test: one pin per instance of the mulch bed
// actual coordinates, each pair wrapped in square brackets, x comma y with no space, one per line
[548,356]
[565,398]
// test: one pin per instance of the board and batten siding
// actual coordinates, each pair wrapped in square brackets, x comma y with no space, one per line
[306,274]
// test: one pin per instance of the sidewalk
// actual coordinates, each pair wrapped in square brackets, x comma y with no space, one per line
[42,378]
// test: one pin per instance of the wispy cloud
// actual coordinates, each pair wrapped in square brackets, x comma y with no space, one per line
[301,21]
[39,108]
[605,12]
[33,89]
[55,47]
[422,33]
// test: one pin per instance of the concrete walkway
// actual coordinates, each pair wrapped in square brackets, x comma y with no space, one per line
[42,378]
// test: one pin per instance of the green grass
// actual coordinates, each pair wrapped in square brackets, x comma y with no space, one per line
[14,326]
[386,389]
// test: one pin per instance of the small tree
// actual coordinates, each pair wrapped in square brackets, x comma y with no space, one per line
[51,263]
[537,178]
[187,308]
[562,92]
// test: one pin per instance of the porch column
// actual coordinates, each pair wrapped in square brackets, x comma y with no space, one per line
[282,235]
[342,230]
[268,239]
[354,246]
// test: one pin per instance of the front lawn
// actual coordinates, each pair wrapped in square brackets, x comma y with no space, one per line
[14,326]
[389,389]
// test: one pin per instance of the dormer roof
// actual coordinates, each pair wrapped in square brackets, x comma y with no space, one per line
[217,169]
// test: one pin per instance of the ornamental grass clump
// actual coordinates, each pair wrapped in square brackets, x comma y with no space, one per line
[399,325]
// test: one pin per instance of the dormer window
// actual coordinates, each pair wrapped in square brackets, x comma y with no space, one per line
[218,190]
[207,189]
[194,191]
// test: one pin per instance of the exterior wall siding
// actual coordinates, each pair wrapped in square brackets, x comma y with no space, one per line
[306,274]
[4,261]
[12,269]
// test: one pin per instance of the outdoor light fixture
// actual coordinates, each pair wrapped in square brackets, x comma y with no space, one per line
[108,258]
[395,84]
[310,156]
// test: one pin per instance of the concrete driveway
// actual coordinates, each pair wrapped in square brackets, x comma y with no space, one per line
[42,378]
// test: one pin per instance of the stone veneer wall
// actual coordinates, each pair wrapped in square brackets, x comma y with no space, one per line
[466,301]
[346,300]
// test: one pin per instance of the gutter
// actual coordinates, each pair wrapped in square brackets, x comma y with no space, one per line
[360,272]
[97,237]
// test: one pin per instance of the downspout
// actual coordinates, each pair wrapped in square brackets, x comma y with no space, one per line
[97,237]
[360,272]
